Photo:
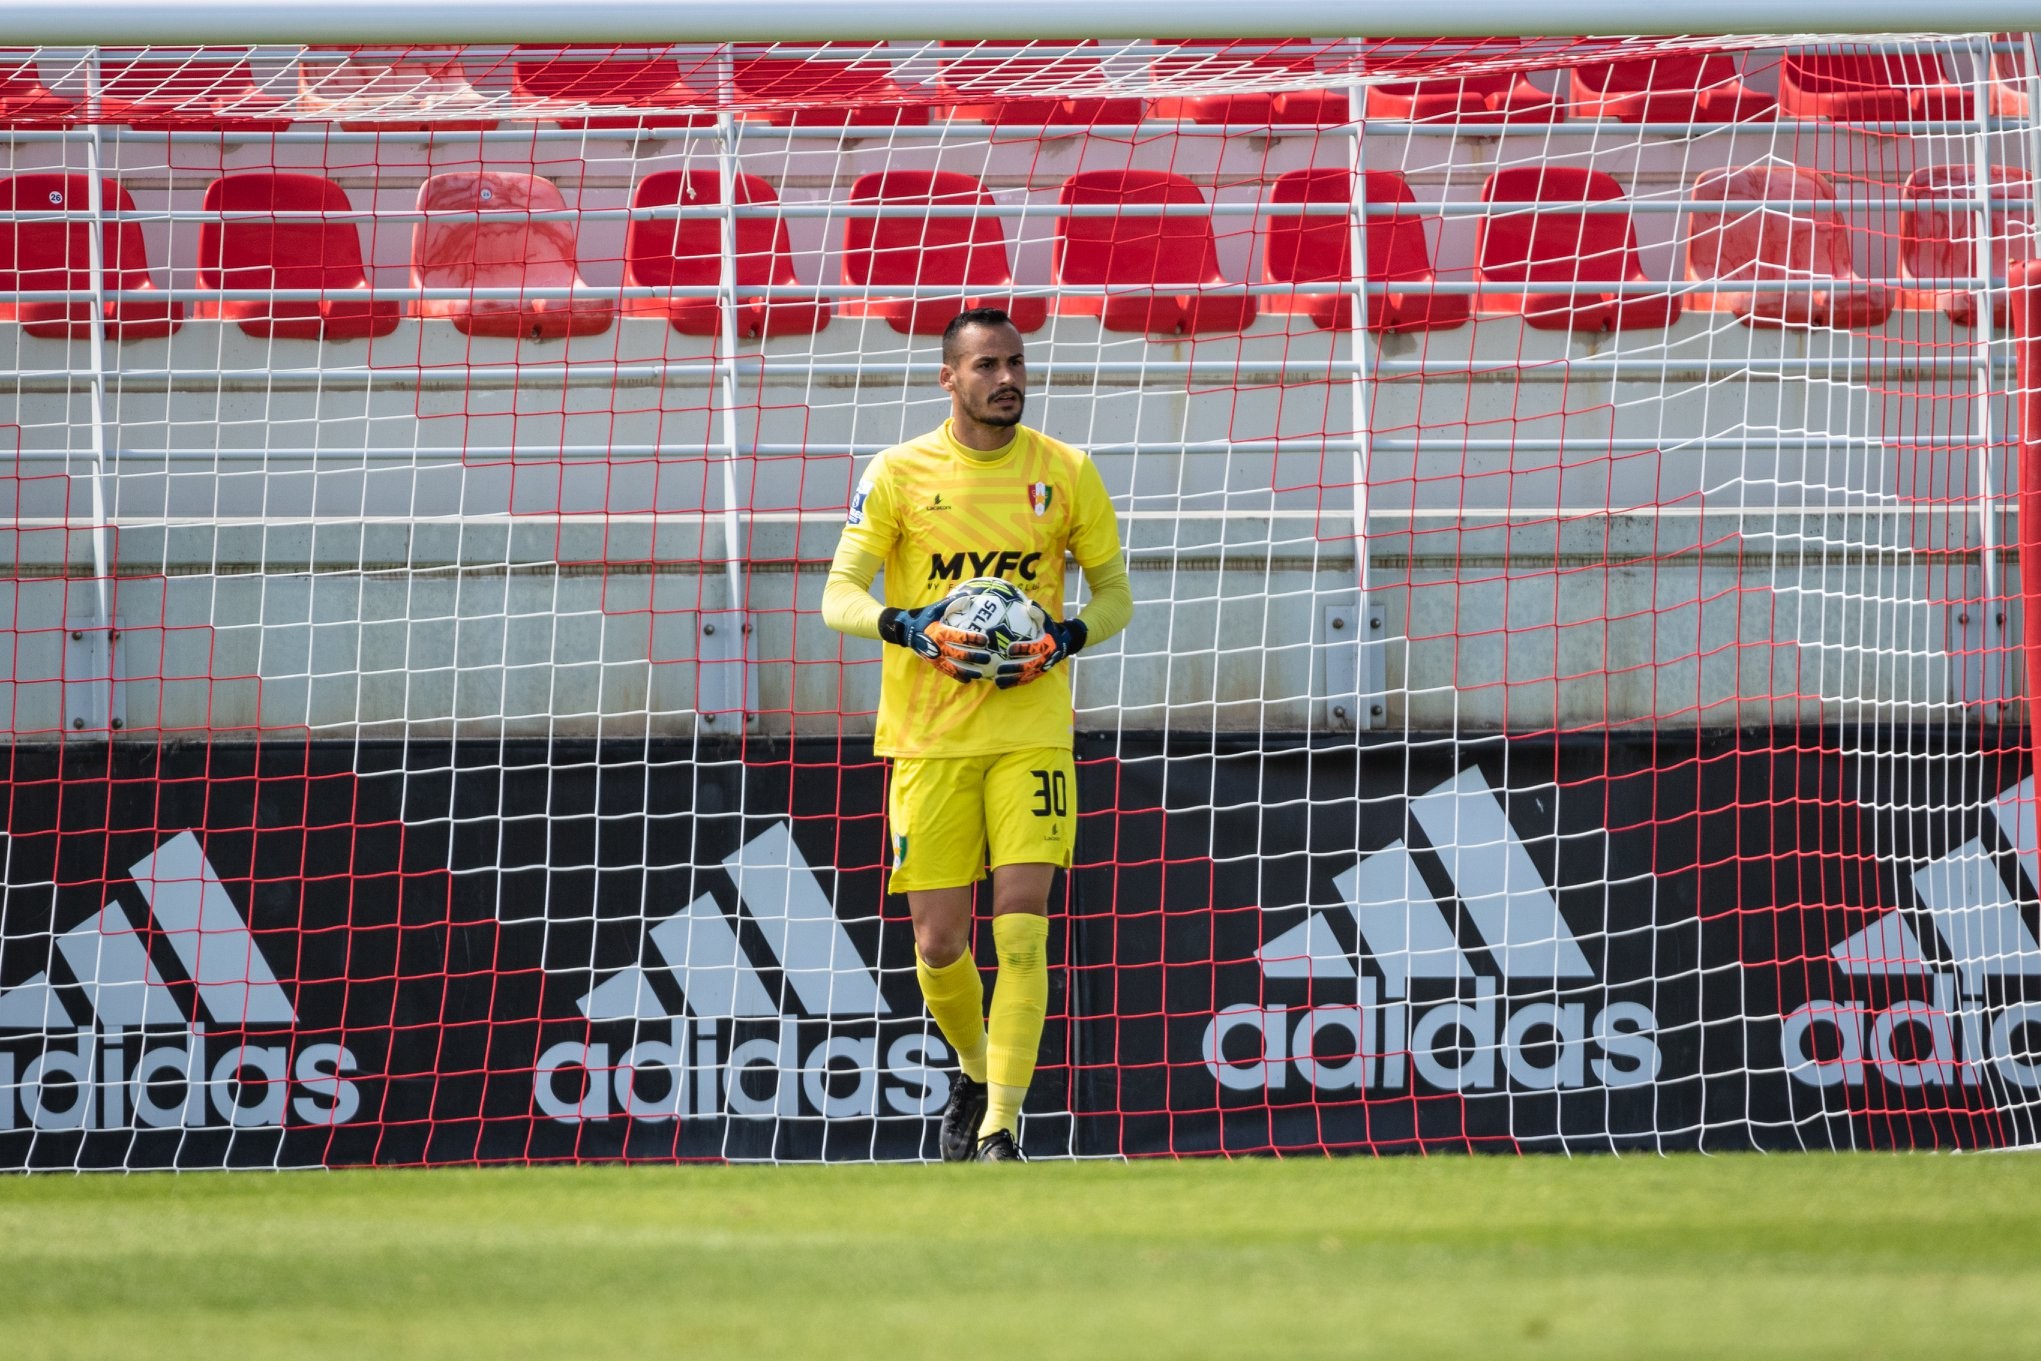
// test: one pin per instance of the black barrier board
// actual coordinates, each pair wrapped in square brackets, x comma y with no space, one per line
[312,954]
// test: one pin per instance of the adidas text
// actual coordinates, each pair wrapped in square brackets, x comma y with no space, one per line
[1426,1012]
[694,1029]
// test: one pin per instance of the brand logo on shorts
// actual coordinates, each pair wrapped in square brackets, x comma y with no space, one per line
[1039,495]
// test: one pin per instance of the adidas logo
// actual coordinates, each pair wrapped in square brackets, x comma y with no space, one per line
[131,1055]
[735,1044]
[1473,1037]
[1973,948]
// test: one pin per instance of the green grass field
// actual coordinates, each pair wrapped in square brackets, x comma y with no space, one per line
[1865,1257]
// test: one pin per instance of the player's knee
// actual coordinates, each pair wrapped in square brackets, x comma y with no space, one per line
[940,945]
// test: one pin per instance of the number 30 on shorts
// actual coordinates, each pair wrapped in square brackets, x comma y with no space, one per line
[1052,794]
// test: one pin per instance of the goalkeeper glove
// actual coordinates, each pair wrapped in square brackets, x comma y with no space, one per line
[1027,661]
[955,652]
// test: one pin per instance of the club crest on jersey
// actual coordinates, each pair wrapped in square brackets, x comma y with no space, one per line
[1038,497]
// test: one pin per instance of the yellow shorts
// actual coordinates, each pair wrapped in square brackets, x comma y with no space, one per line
[946,812]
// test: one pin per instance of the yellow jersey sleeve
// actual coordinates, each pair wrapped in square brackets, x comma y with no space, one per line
[1094,529]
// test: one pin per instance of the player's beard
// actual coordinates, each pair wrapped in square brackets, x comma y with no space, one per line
[1000,417]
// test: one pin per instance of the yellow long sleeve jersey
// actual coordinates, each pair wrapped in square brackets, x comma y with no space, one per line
[933,513]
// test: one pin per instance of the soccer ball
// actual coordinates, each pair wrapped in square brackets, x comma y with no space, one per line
[998,609]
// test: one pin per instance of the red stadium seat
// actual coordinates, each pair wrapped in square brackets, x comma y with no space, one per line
[374,96]
[1499,97]
[1172,262]
[52,254]
[1869,87]
[552,78]
[907,248]
[458,247]
[25,102]
[1669,89]
[1938,240]
[972,85]
[255,248]
[1313,249]
[1570,252]
[1748,241]
[186,96]
[1234,57]
[820,93]
[2009,78]
[687,253]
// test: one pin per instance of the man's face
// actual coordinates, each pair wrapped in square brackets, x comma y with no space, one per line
[986,375]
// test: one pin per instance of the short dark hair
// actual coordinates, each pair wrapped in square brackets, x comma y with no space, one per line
[965,320]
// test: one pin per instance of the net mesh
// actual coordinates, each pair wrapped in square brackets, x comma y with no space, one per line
[1573,701]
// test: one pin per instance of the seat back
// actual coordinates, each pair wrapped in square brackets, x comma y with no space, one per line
[1132,247]
[1938,241]
[1862,73]
[982,88]
[1213,58]
[493,251]
[755,74]
[296,252]
[1649,75]
[174,91]
[2009,77]
[1478,86]
[53,254]
[687,252]
[1547,244]
[571,78]
[23,96]
[375,84]
[1749,240]
[1319,249]
[908,248]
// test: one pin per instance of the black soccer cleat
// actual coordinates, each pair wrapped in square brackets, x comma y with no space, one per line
[962,1114]
[999,1147]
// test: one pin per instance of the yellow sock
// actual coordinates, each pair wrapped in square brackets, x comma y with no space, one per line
[1019,1001]
[956,998]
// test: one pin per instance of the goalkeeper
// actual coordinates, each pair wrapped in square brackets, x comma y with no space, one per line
[980,743]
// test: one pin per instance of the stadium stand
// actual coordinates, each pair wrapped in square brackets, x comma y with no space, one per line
[1170,263]
[1673,89]
[1319,249]
[449,250]
[1569,252]
[1750,241]
[246,250]
[906,249]
[52,254]
[685,253]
